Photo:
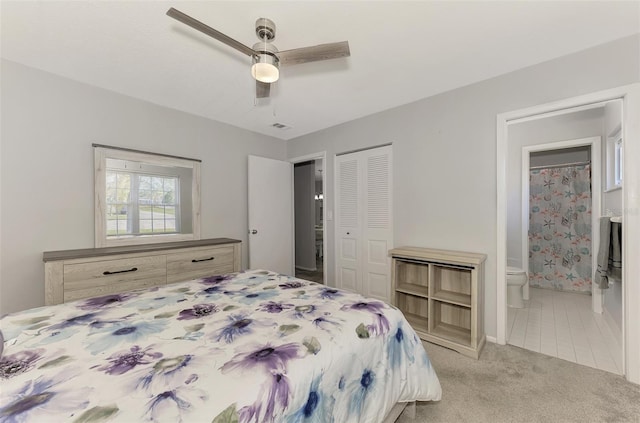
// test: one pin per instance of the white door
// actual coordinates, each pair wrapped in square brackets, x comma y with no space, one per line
[364,222]
[377,236]
[270,215]
[348,274]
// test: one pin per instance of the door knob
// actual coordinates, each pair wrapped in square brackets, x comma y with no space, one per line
[253,231]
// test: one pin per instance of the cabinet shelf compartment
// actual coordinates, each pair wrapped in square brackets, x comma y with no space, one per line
[415,309]
[411,289]
[452,284]
[452,322]
[412,273]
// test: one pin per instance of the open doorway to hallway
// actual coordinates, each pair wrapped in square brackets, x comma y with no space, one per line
[309,230]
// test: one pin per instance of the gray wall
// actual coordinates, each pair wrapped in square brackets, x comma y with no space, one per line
[444,150]
[304,197]
[46,172]
[571,126]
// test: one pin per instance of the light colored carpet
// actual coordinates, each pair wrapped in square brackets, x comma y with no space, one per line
[510,384]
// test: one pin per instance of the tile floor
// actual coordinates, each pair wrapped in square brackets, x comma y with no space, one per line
[562,325]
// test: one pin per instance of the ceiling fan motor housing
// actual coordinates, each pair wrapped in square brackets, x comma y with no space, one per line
[265,29]
[263,48]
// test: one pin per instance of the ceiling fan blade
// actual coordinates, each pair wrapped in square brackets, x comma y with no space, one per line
[262,89]
[314,53]
[206,29]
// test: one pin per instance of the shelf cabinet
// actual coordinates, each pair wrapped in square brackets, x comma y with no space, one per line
[441,293]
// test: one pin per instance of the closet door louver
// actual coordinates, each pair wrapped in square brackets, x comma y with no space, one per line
[377,236]
[348,275]
[363,226]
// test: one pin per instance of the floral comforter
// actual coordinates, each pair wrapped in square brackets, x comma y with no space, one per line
[254,346]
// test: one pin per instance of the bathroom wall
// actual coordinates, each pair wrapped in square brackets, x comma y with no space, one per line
[612,201]
[571,126]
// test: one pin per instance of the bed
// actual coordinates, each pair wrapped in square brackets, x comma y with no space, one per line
[253,346]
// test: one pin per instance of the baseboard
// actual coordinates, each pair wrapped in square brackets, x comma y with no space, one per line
[617,332]
[308,269]
[492,339]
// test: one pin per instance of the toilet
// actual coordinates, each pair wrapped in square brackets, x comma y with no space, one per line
[516,279]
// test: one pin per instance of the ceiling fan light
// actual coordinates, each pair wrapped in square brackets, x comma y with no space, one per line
[265,68]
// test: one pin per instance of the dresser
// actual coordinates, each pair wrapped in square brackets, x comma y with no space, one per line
[441,293]
[75,274]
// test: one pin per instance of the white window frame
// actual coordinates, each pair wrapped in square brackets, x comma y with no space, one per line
[614,160]
[101,153]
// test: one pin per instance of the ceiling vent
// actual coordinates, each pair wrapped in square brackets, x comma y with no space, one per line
[281,126]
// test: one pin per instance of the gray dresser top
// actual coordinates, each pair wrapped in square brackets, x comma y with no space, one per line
[142,248]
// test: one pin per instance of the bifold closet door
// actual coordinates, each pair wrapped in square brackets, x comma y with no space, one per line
[364,222]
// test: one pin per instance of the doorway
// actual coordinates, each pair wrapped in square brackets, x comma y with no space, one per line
[309,190]
[309,227]
[630,129]
[560,215]
[575,165]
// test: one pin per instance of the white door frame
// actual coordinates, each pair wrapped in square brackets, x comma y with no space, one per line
[596,205]
[630,95]
[307,157]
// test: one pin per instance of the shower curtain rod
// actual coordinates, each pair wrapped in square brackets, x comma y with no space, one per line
[560,165]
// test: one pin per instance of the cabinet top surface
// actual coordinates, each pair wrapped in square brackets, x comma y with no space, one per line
[142,248]
[440,255]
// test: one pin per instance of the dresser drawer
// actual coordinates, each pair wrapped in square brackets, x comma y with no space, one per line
[95,278]
[200,262]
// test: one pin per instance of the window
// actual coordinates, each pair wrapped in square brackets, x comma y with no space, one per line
[140,204]
[145,198]
[617,172]
[615,159]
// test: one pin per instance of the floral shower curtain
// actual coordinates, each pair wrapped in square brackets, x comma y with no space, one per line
[560,228]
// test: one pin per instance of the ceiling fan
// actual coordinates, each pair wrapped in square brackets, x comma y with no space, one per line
[265,56]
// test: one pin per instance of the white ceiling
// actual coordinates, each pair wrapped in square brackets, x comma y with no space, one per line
[400,51]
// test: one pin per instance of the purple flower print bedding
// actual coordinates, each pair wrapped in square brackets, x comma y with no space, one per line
[254,347]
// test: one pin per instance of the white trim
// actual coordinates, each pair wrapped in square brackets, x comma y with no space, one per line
[558,112]
[631,229]
[491,339]
[501,229]
[630,94]
[322,155]
[596,206]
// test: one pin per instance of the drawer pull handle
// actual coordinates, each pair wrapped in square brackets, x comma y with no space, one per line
[133,269]
[197,261]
